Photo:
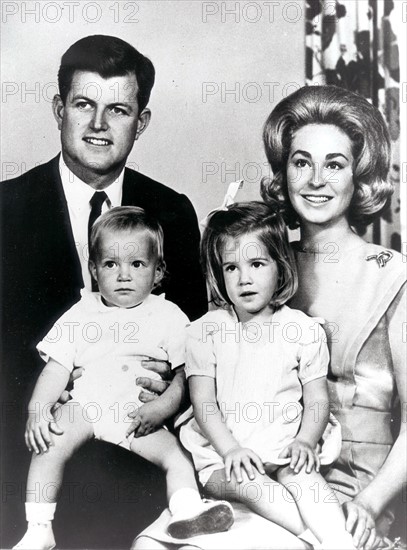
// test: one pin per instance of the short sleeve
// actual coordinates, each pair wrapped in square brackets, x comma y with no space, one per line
[59,344]
[177,324]
[314,354]
[200,353]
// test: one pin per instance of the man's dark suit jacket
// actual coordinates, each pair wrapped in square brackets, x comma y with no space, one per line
[41,278]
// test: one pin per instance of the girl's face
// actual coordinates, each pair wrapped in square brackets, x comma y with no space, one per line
[251,276]
[320,174]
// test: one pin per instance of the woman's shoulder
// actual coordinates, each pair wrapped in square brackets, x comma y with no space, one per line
[381,266]
[384,256]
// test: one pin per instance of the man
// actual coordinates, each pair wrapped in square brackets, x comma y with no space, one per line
[101,111]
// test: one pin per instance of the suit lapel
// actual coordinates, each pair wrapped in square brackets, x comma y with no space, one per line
[59,225]
[133,192]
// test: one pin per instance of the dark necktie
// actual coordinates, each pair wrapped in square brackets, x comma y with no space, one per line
[96,203]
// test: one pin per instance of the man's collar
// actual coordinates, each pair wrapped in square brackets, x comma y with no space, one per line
[78,193]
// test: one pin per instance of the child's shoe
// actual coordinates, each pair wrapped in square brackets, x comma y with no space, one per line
[213,516]
[39,536]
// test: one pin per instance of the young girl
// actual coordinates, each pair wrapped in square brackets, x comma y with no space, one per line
[108,334]
[257,376]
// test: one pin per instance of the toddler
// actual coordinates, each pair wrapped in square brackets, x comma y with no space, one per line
[108,334]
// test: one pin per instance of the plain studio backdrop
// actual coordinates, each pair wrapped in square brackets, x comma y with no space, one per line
[220,69]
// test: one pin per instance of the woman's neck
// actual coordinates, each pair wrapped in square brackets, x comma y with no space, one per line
[315,238]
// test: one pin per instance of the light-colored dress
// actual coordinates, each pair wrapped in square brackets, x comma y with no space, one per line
[259,372]
[110,343]
[362,304]
[360,293]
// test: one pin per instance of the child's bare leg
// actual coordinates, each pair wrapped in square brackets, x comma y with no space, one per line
[45,477]
[264,496]
[318,506]
[47,469]
[163,449]
[190,516]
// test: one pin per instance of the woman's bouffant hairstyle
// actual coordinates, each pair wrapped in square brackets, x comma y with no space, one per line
[265,222]
[127,218]
[359,120]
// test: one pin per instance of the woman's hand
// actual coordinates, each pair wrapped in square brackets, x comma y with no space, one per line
[360,522]
[301,454]
[238,459]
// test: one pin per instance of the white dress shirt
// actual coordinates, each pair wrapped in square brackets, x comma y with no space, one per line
[78,194]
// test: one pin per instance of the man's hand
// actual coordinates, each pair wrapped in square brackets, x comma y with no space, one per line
[301,454]
[65,395]
[154,387]
[146,419]
[238,459]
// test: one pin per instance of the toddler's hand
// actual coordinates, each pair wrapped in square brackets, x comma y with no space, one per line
[239,458]
[146,419]
[301,454]
[37,432]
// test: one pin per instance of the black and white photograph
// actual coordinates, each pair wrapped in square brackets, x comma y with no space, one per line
[203,281]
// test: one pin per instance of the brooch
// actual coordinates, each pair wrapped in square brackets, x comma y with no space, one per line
[382,258]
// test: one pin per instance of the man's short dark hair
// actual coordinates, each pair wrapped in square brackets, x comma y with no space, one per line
[108,56]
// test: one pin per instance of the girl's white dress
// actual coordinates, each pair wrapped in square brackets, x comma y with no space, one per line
[259,372]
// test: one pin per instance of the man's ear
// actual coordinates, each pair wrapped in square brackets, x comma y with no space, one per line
[159,273]
[58,109]
[92,269]
[143,121]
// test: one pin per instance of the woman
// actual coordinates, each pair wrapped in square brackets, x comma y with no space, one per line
[329,151]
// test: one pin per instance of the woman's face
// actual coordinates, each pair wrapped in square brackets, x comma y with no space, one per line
[320,174]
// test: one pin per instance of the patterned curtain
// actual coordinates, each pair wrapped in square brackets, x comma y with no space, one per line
[353,43]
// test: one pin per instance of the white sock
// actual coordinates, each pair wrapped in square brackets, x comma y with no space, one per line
[40,512]
[185,499]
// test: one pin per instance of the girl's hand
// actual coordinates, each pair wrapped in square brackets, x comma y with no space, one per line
[37,432]
[239,458]
[360,522]
[301,454]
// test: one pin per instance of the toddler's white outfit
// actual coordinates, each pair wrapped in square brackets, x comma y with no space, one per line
[110,343]
[259,372]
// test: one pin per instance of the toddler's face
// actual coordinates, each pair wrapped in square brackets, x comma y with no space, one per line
[126,268]
[251,276]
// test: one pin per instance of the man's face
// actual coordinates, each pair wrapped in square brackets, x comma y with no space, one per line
[99,123]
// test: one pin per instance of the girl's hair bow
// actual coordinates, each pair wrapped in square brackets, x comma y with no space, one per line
[229,199]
